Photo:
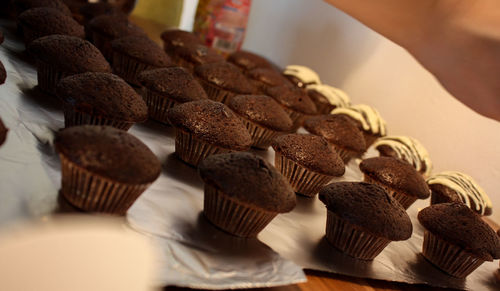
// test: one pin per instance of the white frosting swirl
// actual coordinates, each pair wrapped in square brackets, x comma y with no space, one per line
[408,149]
[334,95]
[304,74]
[467,189]
[368,116]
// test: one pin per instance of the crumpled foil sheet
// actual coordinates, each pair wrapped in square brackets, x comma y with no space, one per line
[194,253]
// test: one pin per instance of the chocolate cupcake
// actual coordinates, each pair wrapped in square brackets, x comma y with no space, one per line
[307,161]
[451,186]
[457,240]
[58,56]
[100,99]
[327,97]
[204,128]
[38,22]
[167,87]
[134,54]
[191,56]
[406,148]
[3,132]
[397,177]
[264,118]
[295,102]
[175,37]
[104,169]
[265,78]
[362,219]
[247,61]
[368,120]
[222,81]
[243,211]
[89,11]
[343,134]
[105,28]
[301,76]
[3,74]
[20,6]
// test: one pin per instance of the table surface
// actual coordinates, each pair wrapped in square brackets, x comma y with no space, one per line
[317,281]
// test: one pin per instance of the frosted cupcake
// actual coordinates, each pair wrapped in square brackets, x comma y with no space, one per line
[301,76]
[327,97]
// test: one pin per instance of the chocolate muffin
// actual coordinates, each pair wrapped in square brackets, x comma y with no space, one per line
[38,22]
[407,149]
[295,102]
[104,169]
[451,186]
[397,177]
[167,87]
[193,55]
[222,81]
[301,76]
[327,97]
[58,56]
[264,78]
[90,10]
[20,6]
[368,120]
[3,132]
[247,61]
[362,219]
[3,73]
[100,99]
[134,54]
[105,28]
[456,239]
[204,128]
[243,211]
[175,37]
[264,118]
[307,161]
[343,134]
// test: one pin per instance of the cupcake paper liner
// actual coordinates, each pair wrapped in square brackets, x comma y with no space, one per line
[344,154]
[192,150]
[233,217]
[103,44]
[303,181]
[405,200]
[158,105]
[449,258]
[90,192]
[352,241]
[74,118]
[128,68]
[215,93]
[261,137]
[48,77]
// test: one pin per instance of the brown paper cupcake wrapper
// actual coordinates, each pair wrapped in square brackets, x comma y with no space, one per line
[103,44]
[90,192]
[449,258]
[128,68]
[303,181]
[352,241]
[296,117]
[344,154]
[192,150]
[48,76]
[75,118]
[261,137]
[233,217]
[215,93]
[158,105]
[405,200]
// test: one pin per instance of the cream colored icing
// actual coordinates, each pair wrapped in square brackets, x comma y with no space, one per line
[304,74]
[335,96]
[467,189]
[368,116]
[408,149]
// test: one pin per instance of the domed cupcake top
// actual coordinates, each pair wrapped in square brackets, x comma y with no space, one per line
[142,49]
[212,122]
[464,186]
[102,94]
[337,129]
[368,117]
[268,76]
[293,98]
[69,54]
[250,180]
[262,110]
[396,174]
[115,26]
[91,10]
[331,95]
[369,207]
[175,82]
[301,76]
[405,148]
[48,21]
[109,152]
[226,76]
[177,37]
[197,54]
[310,151]
[247,60]
[23,5]
[459,225]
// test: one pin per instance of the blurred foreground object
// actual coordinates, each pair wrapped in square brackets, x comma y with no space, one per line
[75,253]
